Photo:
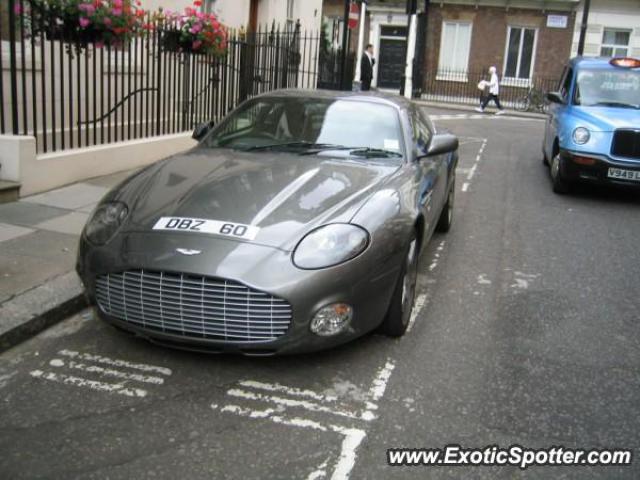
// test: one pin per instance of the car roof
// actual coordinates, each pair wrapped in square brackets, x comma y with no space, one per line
[382,98]
[591,62]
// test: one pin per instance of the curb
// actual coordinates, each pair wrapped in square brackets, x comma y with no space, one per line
[35,310]
[471,109]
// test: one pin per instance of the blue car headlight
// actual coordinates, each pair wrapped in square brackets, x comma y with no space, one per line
[105,222]
[330,245]
[581,135]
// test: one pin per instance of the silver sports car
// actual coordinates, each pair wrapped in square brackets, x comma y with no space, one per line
[294,225]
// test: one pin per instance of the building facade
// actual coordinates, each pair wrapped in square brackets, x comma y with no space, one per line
[613,29]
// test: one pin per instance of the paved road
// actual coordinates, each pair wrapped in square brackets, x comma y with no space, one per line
[526,332]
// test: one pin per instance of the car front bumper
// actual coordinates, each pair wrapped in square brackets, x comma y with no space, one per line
[366,283]
[578,166]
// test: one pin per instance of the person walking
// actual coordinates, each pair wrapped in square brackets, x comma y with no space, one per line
[366,68]
[494,92]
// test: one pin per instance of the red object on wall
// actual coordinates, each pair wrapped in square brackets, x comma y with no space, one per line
[354,14]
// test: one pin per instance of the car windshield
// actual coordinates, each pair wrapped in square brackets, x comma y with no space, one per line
[608,88]
[311,126]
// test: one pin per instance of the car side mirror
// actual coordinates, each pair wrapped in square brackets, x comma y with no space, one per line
[441,143]
[201,130]
[555,97]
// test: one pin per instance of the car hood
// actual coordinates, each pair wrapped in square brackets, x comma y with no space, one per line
[285,195]
[606,119]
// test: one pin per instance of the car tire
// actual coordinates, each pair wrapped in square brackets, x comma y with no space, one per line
[397,319]
[559,184]
[446,216]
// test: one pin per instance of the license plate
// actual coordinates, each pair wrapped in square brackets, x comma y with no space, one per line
[619,173]
[213,227]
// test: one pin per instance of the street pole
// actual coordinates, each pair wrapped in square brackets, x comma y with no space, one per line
[583,26]
[363,11]
[411,50]
[345,38]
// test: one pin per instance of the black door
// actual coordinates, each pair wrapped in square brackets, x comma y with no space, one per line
[391,62]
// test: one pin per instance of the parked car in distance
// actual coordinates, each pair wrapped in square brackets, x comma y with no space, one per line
[592,131]
[294,225]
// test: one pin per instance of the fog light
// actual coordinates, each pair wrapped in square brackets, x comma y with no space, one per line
[332,319]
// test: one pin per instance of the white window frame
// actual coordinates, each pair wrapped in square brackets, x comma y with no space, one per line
[615,46]
[516,81]
[442,74]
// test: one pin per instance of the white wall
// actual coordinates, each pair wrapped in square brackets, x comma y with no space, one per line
[39,173]
[232,13]
[622,14]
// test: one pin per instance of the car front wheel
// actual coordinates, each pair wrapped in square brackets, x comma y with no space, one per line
[397,320]
[559,184]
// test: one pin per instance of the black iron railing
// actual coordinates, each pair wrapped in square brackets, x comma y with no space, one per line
[74,96]
[449,86]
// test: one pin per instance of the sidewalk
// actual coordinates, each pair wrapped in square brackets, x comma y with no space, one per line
[38,239]
[471,109]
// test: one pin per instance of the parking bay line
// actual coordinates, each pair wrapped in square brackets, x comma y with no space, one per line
[115,362]
[352,436]
[92,384]
[109,372]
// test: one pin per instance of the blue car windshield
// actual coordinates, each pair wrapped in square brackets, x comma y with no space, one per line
[311,125]
[608,88]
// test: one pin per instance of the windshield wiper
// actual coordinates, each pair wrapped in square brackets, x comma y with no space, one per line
[616,104]
[374,152]
[303,145]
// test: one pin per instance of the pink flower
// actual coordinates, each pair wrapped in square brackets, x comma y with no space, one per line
[196,45]
[116,11]
[84,22]
[195,28]
[106,21]
[17,9]
[87,8]
[117,3]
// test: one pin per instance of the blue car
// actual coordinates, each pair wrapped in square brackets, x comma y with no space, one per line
[592,131]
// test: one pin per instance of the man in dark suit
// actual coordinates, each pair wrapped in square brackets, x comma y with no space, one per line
[366,68]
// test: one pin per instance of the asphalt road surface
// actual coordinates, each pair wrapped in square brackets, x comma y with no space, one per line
[526,331]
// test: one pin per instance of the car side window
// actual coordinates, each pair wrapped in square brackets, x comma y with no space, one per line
[565,86]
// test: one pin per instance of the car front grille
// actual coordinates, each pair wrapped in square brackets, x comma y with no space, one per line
[626,144]
[193,306]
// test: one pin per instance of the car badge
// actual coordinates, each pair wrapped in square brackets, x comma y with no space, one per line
[188,251]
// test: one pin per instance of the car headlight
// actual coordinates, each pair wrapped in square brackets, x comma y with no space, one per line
[581,135]
[330,245]
[105,222]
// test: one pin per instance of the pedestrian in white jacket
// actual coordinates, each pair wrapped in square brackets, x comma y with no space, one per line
[494,92]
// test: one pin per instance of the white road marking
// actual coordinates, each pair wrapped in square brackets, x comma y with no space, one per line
[483,280]
[320,472]
[118,388]
[465,186]
[109,372]
[287,402]
[380,381]
[115,362]
[352,436]
[417,307]
[295,392]
[480,116]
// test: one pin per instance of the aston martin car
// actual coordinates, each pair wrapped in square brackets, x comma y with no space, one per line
[294,225]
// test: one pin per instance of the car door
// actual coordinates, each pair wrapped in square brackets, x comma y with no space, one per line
[558,110]
[432,172]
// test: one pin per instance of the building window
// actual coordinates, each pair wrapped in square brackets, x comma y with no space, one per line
[520,52]
[615,43]
[454,49]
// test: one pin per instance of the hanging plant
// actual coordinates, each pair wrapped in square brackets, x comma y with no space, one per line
[192,31]
[80,22]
